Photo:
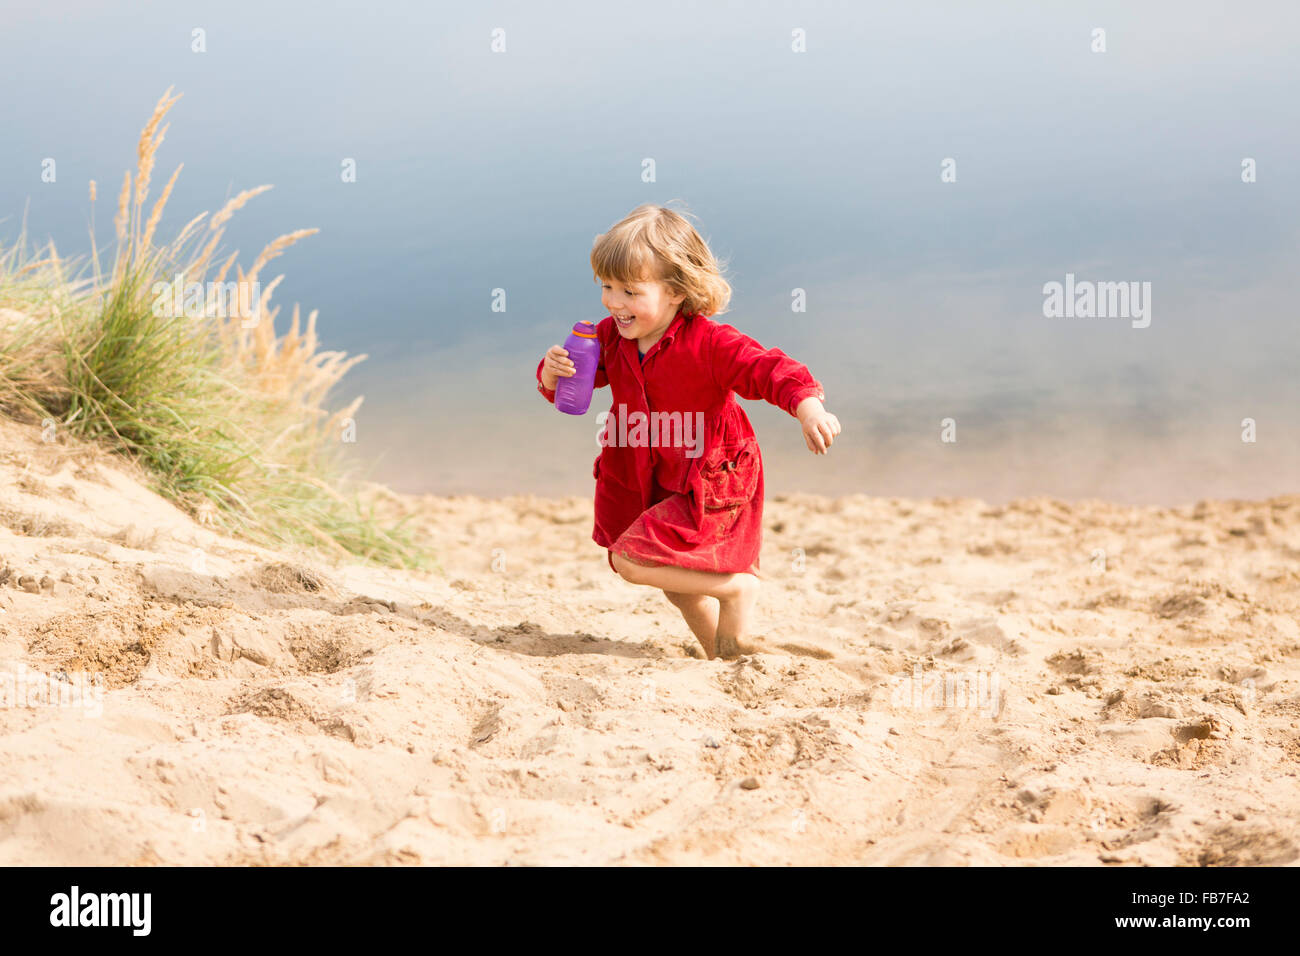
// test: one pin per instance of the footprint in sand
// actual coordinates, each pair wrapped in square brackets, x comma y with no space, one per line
[1246,846]
[807,650]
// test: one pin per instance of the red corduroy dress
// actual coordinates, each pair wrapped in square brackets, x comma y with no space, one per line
[679,479]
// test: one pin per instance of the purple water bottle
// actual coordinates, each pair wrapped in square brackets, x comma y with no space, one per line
[573,394]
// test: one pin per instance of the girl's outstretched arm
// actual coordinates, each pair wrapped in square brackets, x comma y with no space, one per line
[751,371]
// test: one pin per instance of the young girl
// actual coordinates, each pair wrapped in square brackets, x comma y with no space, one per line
[678,510]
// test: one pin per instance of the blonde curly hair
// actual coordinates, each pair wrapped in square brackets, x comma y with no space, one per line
[655,242]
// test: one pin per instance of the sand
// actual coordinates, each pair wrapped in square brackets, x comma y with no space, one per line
[939,682]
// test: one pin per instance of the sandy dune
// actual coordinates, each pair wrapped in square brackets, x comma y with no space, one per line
[1122,687]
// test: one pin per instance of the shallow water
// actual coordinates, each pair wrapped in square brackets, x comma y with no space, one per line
[818,171]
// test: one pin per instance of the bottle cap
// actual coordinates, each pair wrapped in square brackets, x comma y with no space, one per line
[585,328]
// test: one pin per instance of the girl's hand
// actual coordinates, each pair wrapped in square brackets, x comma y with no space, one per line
[819,426]
[558,365]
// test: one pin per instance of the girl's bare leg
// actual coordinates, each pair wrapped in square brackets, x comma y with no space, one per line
[701,614]
[733,623]
[736,594]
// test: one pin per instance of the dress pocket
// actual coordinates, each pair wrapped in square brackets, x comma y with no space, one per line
[729,475]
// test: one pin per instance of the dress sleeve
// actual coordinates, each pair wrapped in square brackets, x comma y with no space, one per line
[751,371]
[547,393]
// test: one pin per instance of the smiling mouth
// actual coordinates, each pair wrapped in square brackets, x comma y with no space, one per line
[625,321]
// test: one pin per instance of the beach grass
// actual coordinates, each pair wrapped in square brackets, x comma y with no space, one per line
[226,415]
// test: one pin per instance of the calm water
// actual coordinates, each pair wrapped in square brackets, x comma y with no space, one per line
[817,170]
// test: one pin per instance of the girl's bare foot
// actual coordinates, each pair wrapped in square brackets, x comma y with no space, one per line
[734,612]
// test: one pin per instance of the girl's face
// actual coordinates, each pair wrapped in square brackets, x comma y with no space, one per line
[641,310]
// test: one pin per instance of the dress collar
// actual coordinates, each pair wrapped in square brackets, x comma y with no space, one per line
[669,333]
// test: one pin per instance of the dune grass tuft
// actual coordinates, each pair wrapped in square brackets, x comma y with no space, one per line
[226,415]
